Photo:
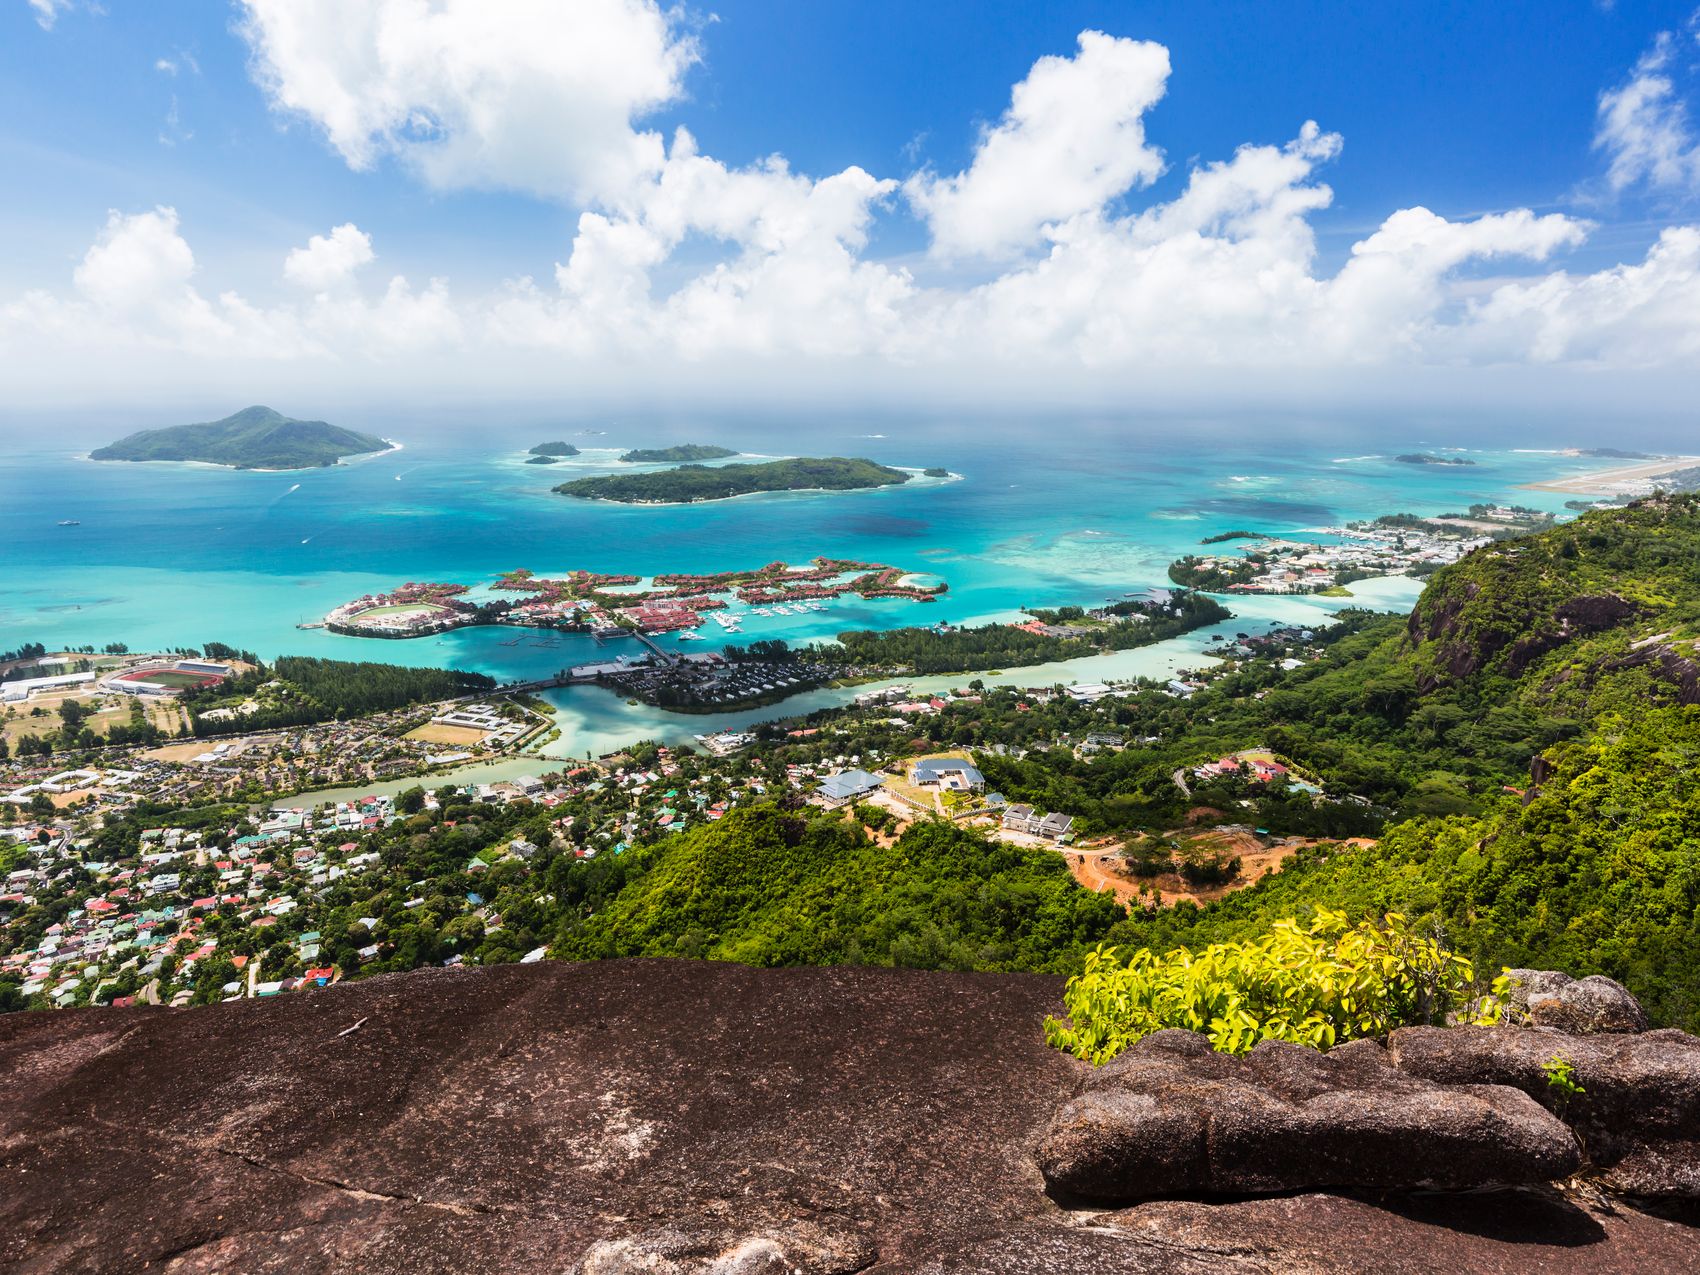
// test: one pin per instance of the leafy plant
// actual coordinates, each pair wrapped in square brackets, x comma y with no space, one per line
[1561,1077]
[1316,985]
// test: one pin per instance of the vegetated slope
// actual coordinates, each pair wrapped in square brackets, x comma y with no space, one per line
[1519,646]
[1596,870]
[768,887]
[673,455]
[254,438]
[690,483]
[1568,615]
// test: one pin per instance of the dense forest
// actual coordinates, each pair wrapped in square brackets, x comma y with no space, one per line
[690,483]
[1000,646]
[299,690]
[770,887]
[683,452]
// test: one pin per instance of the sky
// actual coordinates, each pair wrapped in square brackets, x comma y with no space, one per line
[848,203]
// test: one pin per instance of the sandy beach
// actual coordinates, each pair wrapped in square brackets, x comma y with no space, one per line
[1622,480]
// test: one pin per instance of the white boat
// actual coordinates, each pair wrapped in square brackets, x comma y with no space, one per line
[691,637]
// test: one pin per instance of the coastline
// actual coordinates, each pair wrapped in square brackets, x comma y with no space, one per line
[352,458]
[1619,480]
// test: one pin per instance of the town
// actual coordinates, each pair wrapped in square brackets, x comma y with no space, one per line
[190,879]
[1394,544]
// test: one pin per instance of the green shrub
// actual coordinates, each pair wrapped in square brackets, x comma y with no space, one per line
[1315,986]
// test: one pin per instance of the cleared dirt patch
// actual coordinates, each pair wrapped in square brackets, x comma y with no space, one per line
[437,733]
[1099,866]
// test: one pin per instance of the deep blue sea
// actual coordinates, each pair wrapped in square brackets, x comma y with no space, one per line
[171,555]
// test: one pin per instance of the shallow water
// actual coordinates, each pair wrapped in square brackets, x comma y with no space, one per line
[175,554]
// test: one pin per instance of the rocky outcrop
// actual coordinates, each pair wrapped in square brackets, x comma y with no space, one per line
[1583,1007]
[654,1116]
[1171,1117]
[1638,1111]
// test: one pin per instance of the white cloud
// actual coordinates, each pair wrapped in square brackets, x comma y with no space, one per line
[1643,127]
[1072,139]
[47,11]
[329,260]
[685,269]
[532,95]
[181,60]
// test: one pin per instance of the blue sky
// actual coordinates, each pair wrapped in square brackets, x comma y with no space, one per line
[211,112]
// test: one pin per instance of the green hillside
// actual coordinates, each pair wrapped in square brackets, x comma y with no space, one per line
[767,887]
[254,438]
[690,483]
[1599,873]
[1528,737]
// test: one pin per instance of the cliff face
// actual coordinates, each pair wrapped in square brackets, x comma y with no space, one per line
[648,1116]
[1570,604]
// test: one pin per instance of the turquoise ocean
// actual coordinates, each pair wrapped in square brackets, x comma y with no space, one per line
[166,554]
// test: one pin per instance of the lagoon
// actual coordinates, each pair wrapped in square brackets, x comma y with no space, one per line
[169,555]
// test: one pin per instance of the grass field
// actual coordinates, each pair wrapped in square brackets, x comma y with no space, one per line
[436,733]
[171,678]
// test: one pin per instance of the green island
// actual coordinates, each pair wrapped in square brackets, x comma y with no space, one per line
[550,453]
[935,471]
[682,452]
[1425,458]
[254,438]
[689,484]
[1222,537]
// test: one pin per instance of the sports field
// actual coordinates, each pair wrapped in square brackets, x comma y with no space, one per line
[174,678]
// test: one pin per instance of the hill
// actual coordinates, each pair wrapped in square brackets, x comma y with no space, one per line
[675,455]
[254,438]
[767,887]
[690,483]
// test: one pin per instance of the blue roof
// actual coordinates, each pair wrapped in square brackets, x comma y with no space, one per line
[933,767]
[848,783]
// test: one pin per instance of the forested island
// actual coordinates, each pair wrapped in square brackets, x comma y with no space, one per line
[550,453]
[1075,633]
[684,452]
[1424,458]
[254,438]
[689,484]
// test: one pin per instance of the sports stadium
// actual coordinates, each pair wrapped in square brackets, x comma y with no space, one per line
[167,677]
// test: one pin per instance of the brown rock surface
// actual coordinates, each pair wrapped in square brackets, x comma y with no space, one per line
[640,1115]
[1585,1006]
[1637,1087]
[1170,1117]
